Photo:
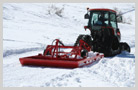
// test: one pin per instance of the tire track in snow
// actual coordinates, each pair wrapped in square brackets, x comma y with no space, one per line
[20,51]
[23,49]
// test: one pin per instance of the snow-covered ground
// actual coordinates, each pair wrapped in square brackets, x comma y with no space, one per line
[29,28]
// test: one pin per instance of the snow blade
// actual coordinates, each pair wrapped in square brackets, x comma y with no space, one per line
[52,57]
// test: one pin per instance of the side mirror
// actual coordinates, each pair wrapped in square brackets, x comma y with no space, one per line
[119,19]
[86,16]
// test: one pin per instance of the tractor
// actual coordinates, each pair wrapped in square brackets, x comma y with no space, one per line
[104,40]
[104,35]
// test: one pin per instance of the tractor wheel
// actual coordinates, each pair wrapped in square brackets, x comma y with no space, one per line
[125,47]
[113,48]
[86,38]
[78,39]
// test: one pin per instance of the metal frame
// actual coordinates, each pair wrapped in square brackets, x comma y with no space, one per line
[76,50]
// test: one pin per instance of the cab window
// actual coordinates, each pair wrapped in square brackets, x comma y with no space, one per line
[106,18]
[113,20]
[100,19]
[95,19]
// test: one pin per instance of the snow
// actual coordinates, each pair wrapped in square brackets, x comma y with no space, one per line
[28,29]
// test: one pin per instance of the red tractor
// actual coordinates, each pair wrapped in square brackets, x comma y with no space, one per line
[105,35]
[104,38]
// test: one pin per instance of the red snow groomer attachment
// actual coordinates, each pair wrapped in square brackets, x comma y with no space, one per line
[58,56]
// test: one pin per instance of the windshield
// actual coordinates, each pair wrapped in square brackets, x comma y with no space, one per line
[99,19]
[104,18]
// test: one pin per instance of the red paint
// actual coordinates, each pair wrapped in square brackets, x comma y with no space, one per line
[102,9]
[86,27]
[118,33]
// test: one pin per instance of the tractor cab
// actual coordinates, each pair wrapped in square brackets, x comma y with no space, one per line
[103,19]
